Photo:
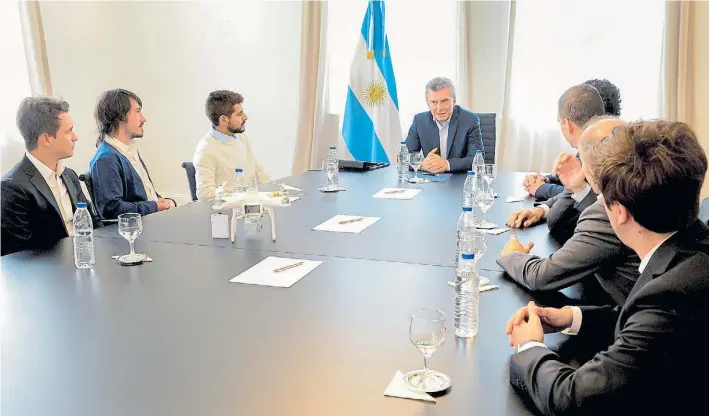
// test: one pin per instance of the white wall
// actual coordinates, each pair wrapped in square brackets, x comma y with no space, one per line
[700,122]
[172,54]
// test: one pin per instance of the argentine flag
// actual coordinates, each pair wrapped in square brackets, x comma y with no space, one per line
[370,125]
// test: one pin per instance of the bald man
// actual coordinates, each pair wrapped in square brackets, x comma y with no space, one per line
[593,251]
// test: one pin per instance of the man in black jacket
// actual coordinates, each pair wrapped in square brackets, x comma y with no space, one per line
[39,195]
[654,360]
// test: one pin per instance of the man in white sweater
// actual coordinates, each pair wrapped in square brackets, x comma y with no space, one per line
[225,147]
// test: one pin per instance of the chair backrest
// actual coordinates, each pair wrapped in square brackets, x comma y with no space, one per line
[191,178]
[489,133]
[86,179]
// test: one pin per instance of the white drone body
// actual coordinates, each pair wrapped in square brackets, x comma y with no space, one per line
[253,206]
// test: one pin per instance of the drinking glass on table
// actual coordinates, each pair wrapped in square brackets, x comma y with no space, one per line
[485,199]
[130,226]
[427,331]
[479,249]
[415,160]
[489,174]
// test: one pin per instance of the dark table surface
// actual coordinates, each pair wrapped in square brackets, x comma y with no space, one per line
[421,231]
[174,337]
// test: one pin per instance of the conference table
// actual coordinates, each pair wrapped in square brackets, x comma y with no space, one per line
[175,337]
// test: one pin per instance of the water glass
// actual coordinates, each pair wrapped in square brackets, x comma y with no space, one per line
[427,331]
[415,160]
[485,199]
[489,174]
[130,226]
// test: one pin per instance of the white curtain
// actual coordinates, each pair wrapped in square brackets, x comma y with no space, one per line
[558,44]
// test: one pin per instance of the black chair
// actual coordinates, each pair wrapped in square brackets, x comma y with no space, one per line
[489,133]
[191,178]
[86,179]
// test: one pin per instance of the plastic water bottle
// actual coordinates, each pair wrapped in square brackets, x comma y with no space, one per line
[465,230]
[467,294]
[83,238]
[479,168]
[237,185]
[403,167]
[469,190]
[332,168]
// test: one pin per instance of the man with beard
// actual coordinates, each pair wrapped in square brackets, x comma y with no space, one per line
[225,148]
[121,183]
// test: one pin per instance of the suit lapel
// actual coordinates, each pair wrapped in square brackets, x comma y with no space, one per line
[73,193]
[657,265]
[452,128]
[433,132]
[38,181]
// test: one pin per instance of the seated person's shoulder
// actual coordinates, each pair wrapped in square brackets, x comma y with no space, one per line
[464,114]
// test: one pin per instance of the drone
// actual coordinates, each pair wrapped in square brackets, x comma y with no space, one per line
[252,206]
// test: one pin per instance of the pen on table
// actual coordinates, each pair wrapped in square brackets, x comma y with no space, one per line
[398,191]
[350,221]
[429,174]
[288,267]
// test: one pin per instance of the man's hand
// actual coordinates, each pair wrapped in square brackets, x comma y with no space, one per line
[532,182]
[529,329]
[513,245]
[525,218]
[164,204]
[434,163]
[552,319]
[568,167]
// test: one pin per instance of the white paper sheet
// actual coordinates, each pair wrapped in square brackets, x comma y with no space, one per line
[333,224]
[263,273]
[518,198]
[492,231]
[396,193]
[399,388]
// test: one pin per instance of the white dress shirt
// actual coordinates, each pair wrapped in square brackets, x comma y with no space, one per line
[130,151]
[443,138]
[576,196]
[578,316]
[59,191]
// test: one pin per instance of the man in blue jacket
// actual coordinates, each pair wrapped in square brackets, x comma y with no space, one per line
[121,183]
[448,135]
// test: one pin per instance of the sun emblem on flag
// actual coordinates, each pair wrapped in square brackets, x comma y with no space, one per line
[375,94]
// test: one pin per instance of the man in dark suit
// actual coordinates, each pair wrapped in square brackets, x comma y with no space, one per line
[39,194]
[593,251]
[447,134]
[654,360]
[121,182]
[544,187]
[577,106]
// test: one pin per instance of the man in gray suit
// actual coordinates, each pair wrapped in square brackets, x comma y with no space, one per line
[593,250]
[447,134]
[577,106]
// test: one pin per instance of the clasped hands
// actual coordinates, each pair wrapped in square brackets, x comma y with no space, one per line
[531,322]
[434,163]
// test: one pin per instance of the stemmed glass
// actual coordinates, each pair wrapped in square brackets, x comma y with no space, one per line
[427,332]
[479,249]
[129,227]
[485,199]
[489,174]
[415,160]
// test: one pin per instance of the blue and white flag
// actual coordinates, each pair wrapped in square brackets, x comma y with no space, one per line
[371,126]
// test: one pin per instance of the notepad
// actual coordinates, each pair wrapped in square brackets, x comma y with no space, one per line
[397,193]
[263,273]
[356,227]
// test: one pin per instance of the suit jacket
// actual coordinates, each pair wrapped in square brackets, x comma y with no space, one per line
[31,218]
[657,360]
[564,213]
[117,187]
[594,251]
[464,137]
[550,189]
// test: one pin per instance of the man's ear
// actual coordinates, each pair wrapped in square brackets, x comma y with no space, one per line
[623,214]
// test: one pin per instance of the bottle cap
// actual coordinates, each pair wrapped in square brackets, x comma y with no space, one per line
[467,208]
[404,142]
[471,173]
[468,256]
[81,205]
[332,147]
[238,170]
